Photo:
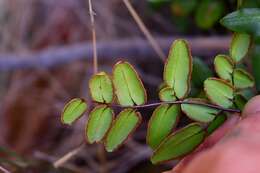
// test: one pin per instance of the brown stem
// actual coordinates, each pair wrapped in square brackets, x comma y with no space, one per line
[68,155]
[181,102]
[94,41]
[145,30]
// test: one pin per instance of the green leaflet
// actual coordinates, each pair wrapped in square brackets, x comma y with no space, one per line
[167,94]
[100,120]
[246,20]
[128,86]
[239,46]
[179,144]
[216,123]
[242,79]
[219,92]
[256,66]
[162,122]
[208,13]
[199,113]
[224,67]
[200,72]
[183,7]
[101,88]
[240,101]
[73,110]
[178,68]
[126,122]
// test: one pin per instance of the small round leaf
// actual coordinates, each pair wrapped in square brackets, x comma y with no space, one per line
[73,110]
[167,94]
[199,113]
[126,122]
[178,68]
[100,119]
[224,67]
[101,88]
[128,85]
[242,79]
[219,92]
[239,46]
[163,120]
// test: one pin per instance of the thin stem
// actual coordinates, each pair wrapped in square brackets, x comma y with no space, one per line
[145,31]
[68,155]
[94,40]
[181,102]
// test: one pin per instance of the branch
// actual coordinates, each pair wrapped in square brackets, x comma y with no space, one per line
[181,102]
[132,49]
[68,156]
[145,30]
[94,40]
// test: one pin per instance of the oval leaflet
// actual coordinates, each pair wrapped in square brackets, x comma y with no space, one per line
[126,122]
[73,110]
[100,120]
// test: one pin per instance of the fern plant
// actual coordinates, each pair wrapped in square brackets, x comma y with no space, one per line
[124,89]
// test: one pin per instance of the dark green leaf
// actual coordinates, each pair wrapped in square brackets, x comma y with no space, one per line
[178,68]
[179,144]
[240,101]
[183,7]
[208,13]
[216,123]
[219,92]
[224,67]
[239,46]
[242,79]
[101,88]
[100,120]
[256,66]
[246,20]
[73,110]
[129,88]
[126,122]
[200,72]
[162,122]
[199,113]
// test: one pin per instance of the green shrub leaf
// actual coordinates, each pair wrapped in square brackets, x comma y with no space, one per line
[178,68]
[216,123]
[242,79]
[126,122]
[100,119]
[167,94]
[199,113]
[162,122]
[224,67]
[200,72]
[256,66]
[179,144]
[240,101]
[208,13]
[101,88]
[128,86]
[219,92]
[246,20]
[183,7]
[239,46]
[73,110]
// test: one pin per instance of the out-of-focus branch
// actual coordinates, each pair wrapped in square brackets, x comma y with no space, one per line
[130,49]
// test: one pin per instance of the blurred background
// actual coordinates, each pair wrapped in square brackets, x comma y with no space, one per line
[46,59]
